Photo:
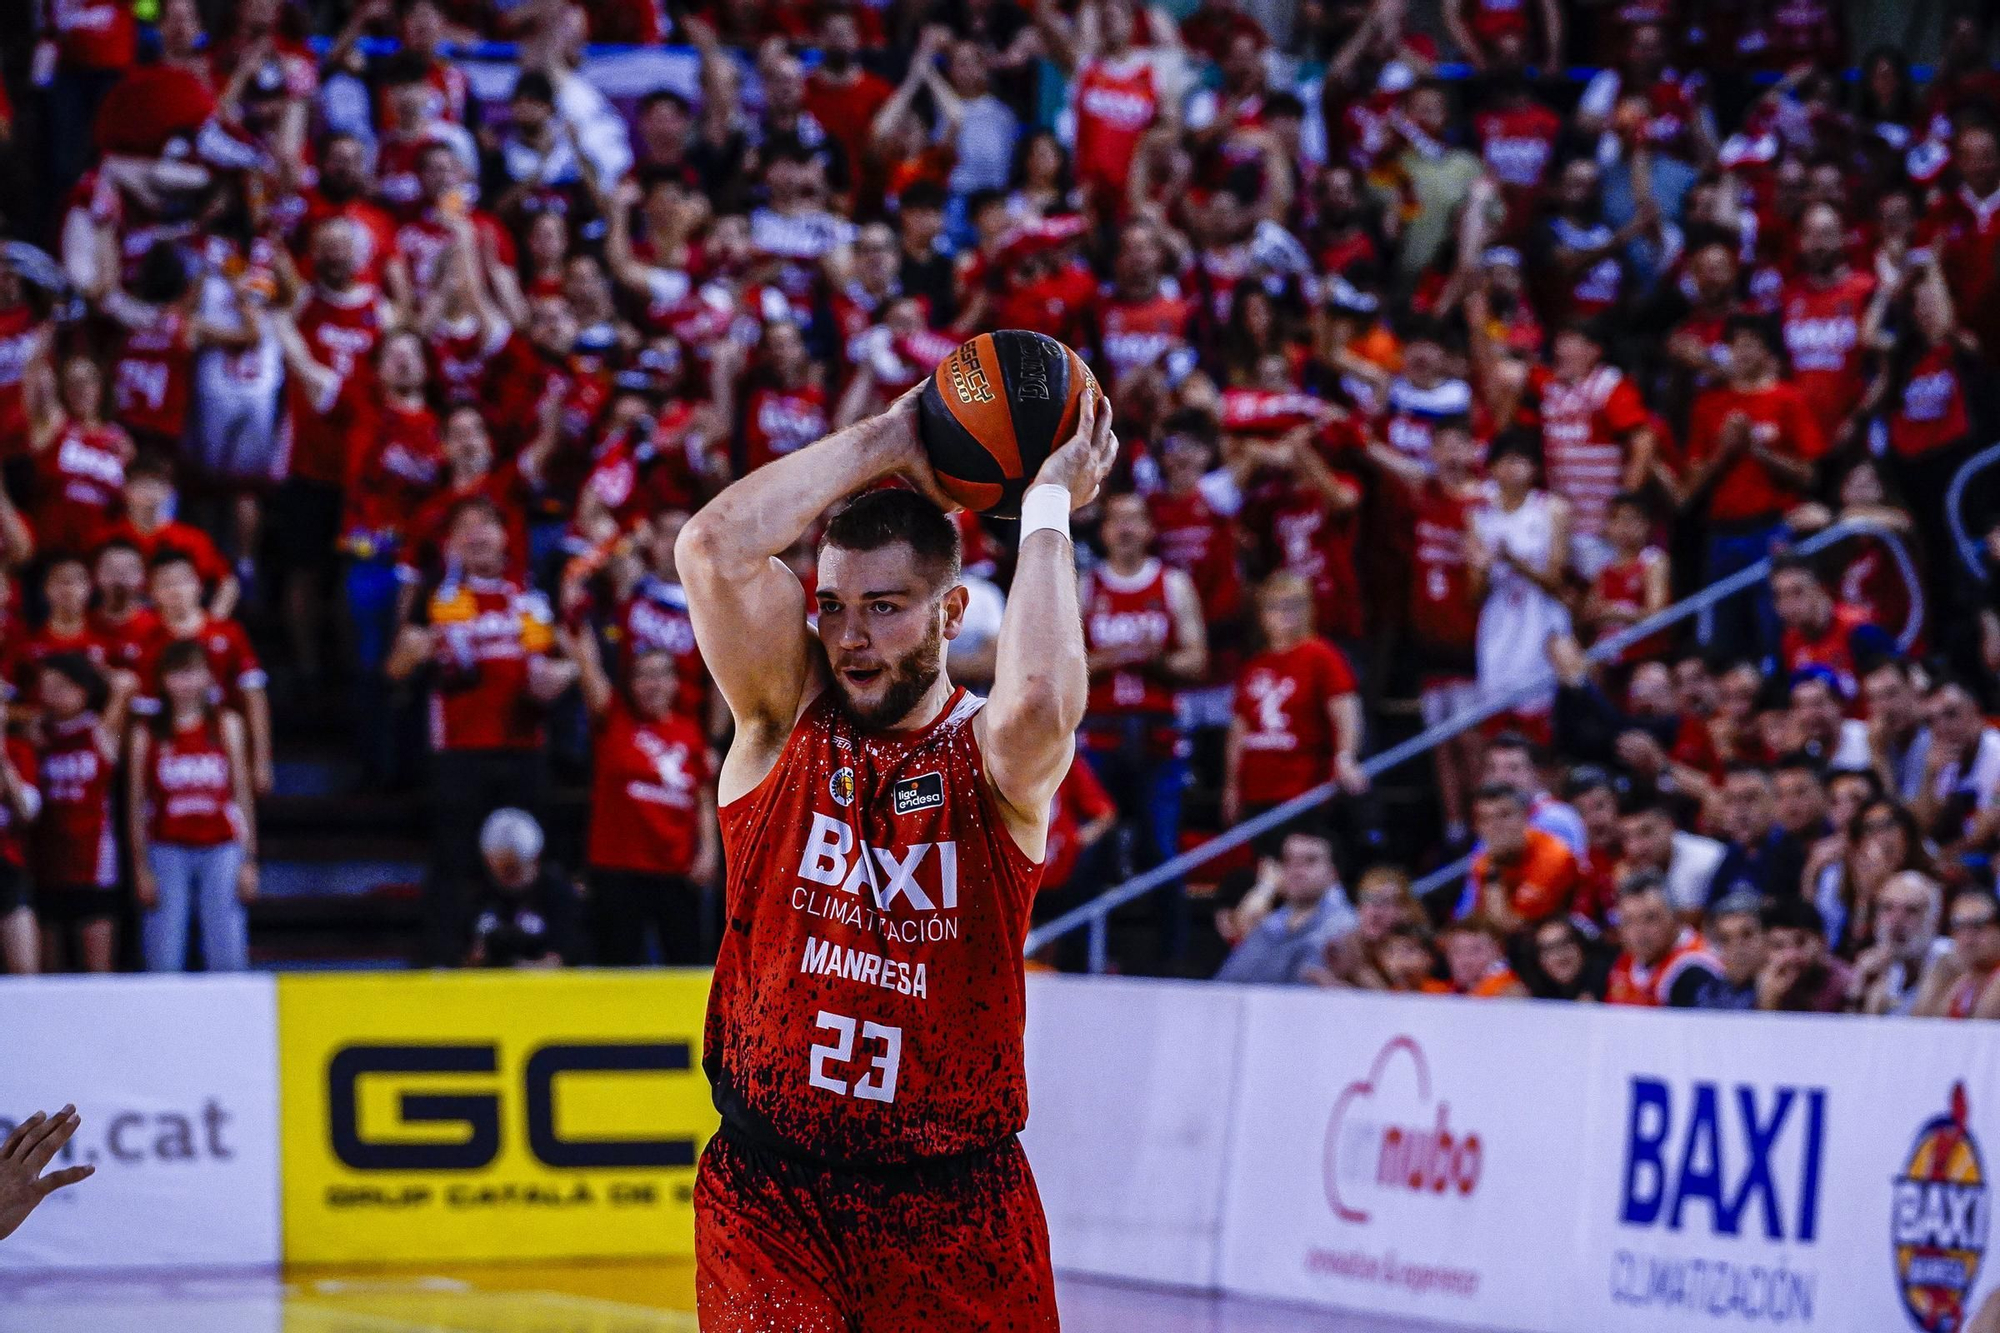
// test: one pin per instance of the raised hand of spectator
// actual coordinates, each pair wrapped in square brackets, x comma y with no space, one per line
[1641,753]
[1775,982]
[1736,436]
[1567,659]
[31,1147]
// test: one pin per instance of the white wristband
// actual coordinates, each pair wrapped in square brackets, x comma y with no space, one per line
[1045,506]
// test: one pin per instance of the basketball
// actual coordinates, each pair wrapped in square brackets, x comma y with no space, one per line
[995,409]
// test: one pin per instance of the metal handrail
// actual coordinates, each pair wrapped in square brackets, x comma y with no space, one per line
[1095,914]
[1954,501]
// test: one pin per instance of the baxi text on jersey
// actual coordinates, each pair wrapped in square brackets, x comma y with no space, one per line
[923,875]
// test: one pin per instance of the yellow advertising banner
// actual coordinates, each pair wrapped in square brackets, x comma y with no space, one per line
[491,1115]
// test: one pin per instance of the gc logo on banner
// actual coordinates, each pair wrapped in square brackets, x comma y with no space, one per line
[491,1115]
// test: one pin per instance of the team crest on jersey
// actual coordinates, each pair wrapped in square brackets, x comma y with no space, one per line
[923,792]
[841,787]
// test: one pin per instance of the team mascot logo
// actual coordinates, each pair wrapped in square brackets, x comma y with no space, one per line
[1939,1220]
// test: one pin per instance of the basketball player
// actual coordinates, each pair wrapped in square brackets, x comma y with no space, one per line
[884,833]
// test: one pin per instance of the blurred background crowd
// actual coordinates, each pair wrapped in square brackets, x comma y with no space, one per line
[360,364]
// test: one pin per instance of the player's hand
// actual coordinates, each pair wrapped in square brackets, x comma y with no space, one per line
[246,882]
[1085,459]
[145,887]
[905,443]
[32,1145]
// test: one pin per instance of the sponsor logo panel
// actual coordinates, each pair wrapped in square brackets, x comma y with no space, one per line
[491,1116]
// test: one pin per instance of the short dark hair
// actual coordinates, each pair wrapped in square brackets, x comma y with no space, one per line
[1587,778]
[1634,500]
[1763,326]
[402,69]
[180,655]
[151,465]
[81,672]
[1192,422]
[1886,662]
[980,200]
[467,503]
[1642,881]
[923,194]
[58,559]
[1477,924]
[667,95]
[170,555]
[1284,104]
[534,86]
[1798,761]
[882,517]
[1645,800]
[1520,441]
[1794,913]
[1591,328]
[1738,902]
[1514,740]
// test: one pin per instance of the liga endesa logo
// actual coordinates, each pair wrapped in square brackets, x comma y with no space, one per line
[1388,1137]
[1939,1219]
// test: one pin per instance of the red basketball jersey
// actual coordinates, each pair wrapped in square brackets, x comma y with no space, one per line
[645,806]
[1135,335]
[1443,616]
[655,619]
[1583,430]
[341,330]
[1132,614]
[1116,103]
[13,833]
[190,790]
[1822,328]
[777,422]
[150,378]
[1288,736]
[79,484]
[74,843]
[868,1002]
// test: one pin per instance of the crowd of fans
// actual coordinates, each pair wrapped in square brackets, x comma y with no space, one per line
[1424,386]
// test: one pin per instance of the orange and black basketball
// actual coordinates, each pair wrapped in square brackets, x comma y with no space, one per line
[995,409]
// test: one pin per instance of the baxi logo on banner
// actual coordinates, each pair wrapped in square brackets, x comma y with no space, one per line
[1940,1219]
[1377,1145]
[1720,1163]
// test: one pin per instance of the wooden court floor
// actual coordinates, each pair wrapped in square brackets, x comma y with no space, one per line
[647,1297]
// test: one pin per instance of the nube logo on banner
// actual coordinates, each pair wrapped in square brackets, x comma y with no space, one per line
[1388,1137]
[1939,1219]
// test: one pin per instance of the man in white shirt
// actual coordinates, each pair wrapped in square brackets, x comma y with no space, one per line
[1687,862]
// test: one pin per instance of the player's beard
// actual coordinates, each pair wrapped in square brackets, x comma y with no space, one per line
[907,678]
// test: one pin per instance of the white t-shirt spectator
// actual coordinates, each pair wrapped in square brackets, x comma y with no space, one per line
[986,133]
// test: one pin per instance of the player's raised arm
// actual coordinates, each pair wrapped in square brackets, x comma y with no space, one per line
[748,609]
[1027,731]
